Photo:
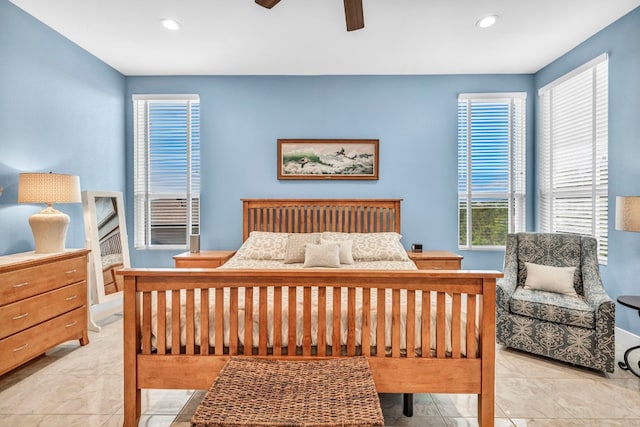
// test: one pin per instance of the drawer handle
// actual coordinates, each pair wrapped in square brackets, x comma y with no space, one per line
[75,322]
[19,285]
[71,297]
[22,316]
[71,271]
[22,347]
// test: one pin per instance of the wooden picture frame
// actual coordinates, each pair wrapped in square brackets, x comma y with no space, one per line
[328,159]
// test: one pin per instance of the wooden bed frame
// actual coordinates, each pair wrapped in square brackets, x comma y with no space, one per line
[394,371]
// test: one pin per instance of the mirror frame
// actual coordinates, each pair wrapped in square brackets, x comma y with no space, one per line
[96,278]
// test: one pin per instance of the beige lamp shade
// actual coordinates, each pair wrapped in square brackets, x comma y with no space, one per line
[49,227]
[628,213]
[48,188]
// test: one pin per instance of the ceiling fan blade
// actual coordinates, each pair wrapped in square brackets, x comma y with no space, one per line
[354,14]
[267,3]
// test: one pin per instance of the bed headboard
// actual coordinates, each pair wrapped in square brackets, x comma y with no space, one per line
[318,215]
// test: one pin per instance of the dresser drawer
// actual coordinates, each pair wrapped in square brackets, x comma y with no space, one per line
[30,343]
[27,282]
[29,312]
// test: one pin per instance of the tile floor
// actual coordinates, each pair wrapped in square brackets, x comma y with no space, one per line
[82,386]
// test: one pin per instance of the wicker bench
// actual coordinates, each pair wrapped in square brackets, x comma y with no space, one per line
[251,391]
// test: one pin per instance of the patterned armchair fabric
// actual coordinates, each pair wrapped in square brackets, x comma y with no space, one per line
[575,329]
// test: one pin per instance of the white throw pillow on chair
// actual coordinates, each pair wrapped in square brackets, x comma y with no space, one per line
[551,279]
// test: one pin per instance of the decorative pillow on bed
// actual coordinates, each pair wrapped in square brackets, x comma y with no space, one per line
[550,279]
[346,249]
[327,255]
[295,248]
[384,246]
[263,245]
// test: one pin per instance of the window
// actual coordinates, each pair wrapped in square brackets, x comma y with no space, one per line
[491,168]
[574,169]
[166,170]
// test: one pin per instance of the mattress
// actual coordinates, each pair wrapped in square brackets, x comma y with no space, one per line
[235,263]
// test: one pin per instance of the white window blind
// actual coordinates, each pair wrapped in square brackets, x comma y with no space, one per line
[491,168]
[574,166]
[166,170]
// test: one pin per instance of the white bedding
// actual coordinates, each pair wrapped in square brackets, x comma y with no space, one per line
[236,263]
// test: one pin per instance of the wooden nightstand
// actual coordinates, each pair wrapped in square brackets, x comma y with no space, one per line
[202,259]
[436,260]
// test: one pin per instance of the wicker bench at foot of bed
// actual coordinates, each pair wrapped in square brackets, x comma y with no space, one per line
[253,391]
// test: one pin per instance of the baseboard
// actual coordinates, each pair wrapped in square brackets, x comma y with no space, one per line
[626,339]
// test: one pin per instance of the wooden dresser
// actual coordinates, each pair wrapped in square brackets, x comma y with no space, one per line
[43,302]
[203,259]
[436,260]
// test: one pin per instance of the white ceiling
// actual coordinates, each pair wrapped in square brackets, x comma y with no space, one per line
[309,37]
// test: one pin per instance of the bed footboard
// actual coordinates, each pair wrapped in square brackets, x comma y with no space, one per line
[182,325]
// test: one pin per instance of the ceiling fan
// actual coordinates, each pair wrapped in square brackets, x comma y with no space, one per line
[352,12]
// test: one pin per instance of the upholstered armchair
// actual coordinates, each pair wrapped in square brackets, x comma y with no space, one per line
[577,328]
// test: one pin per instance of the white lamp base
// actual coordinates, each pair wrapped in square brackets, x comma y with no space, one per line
[49,228]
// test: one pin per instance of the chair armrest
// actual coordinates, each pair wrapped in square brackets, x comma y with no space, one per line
[594,292]
[506,286]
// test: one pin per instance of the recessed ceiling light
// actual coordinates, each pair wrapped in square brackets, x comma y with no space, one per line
[487,21]
[170,24]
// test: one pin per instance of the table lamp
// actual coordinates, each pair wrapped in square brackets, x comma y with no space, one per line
[628,213]
[49,226]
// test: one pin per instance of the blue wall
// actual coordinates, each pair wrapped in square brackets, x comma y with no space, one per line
[622,41]
[63,110]
[414,117]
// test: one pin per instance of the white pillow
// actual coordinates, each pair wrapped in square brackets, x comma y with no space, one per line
[550,279]
[295,248]
[383,246]
[346,248]
[264,245]
[322,255]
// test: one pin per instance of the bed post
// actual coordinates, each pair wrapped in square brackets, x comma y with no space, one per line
[486,401]
[131,310]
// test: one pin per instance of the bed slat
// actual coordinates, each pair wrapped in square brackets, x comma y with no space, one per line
[471,350]
[277,321]
[380,323]
[175,322]
[204,321]
[233,321]
[411,324]
[366,322]
[162,322]
[351,322]
[306,322]
[248,321]
[292,318]
[263,330]
[336,330]
[426,324]
[395,323]
[322,321]
[146,323]
[441,317]
[455,326]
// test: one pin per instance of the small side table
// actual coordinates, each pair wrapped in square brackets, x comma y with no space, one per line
[203,259]
[436,260]
[631,301]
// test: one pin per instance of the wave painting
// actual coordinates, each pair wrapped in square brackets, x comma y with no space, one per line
[330,159]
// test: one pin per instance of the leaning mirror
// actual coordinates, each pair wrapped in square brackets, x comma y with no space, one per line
[106,235]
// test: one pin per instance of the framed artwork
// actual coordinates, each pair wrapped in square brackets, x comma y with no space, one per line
[328,159]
